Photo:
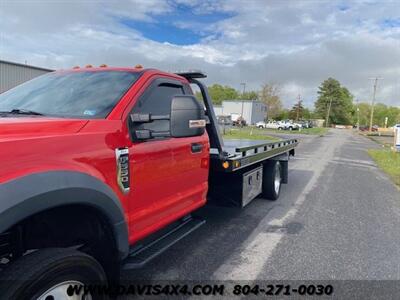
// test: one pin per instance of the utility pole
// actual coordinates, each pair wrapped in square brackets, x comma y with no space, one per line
[244,90]
[373,101]
[328,112]
[298,107]
[358,116]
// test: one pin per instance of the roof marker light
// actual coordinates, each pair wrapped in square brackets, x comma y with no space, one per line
[138,66]
[76,67]
[103,66]
[88,66]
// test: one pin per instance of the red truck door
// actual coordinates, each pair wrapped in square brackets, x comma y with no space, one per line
[169,176]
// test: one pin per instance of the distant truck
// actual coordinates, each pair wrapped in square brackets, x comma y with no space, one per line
[102,168]
[280,125]
[238,120]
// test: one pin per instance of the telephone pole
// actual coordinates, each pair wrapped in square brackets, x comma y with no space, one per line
[328,112]
[373,101]
[298,107]
[358,116]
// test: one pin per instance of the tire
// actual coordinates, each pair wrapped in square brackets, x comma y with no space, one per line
[280,128]
[290,128]
[261,127]
[272,180]
[37,275]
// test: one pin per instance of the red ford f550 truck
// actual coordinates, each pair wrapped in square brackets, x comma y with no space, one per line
[102,167]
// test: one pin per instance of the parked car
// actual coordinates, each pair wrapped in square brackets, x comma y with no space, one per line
[366,128]
[306,124]
[270,125]
[224,123]
[290,125]
[238,120]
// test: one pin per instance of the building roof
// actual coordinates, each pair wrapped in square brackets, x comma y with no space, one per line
[24,65]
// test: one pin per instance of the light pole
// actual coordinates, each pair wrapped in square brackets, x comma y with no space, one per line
[244,90]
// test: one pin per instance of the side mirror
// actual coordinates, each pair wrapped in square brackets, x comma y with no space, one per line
[187,117]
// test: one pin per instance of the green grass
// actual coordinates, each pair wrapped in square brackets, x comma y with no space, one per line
[250,133]
[313,131]
[388,161]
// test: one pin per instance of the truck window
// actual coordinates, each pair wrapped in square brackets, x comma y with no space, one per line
[157,101]
[84,94]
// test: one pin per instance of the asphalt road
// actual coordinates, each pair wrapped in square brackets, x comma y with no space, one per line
[338,218]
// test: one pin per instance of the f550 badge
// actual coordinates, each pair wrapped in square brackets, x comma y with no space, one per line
[122,157]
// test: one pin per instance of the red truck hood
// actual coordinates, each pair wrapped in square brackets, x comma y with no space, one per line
[21,127]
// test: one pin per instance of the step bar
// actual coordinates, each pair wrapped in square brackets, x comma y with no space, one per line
[141,255]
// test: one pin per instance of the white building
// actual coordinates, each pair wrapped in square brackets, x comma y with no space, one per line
[251,110]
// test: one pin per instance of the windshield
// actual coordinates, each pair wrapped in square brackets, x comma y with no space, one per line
[90,94]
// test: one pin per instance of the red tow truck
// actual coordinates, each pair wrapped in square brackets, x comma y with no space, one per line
[101,169]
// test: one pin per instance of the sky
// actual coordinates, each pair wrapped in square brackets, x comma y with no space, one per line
[295,44]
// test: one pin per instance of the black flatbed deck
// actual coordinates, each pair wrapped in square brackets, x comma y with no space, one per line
[241,153]
[232,155]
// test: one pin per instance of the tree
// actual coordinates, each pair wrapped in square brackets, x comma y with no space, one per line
[251,95]
[218,93]
[334,103]
[381,111]
[270,96]
[297,111]
[282,115]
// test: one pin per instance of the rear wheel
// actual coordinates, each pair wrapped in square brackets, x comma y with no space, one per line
[52,273]
[272,179]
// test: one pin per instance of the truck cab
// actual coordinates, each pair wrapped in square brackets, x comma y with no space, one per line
[97,160]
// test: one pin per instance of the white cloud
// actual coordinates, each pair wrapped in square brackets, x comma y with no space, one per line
[296,44]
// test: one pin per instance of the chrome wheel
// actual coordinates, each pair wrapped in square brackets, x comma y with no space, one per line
[61,292]
[277,179]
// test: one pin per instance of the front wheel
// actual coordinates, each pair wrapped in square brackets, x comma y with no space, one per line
[52,273]
[272,179]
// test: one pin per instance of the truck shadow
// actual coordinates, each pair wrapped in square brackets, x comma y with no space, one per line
[226,231]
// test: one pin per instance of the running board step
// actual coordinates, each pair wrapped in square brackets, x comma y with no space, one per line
[139,257]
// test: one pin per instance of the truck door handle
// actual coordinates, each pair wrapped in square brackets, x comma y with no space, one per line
[197,147]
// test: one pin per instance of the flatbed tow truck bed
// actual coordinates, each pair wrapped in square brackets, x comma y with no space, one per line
[241,170]
[242,153]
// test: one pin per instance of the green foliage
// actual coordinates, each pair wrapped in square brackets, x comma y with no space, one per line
[218,93]
[381,111]
[251,95]
[297,111]
[282,115]
[269,94]
[388,161]
[341,108]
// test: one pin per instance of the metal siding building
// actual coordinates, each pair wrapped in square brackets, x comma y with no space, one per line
[253,111]
[13,74]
